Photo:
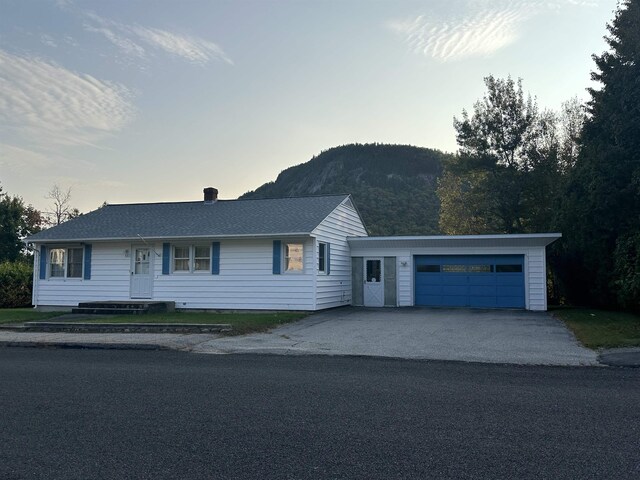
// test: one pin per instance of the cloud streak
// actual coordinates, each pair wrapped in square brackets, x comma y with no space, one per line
[139,41]
[485,28]
[47,105]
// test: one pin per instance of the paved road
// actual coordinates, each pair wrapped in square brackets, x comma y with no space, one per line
[94,414]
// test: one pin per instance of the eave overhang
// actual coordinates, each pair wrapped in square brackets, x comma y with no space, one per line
[455,241]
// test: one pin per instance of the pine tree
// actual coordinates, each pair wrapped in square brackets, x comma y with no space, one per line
[602,201]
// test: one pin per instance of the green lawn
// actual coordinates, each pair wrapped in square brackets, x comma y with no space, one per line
[19,315]
[600,328]
[242,323]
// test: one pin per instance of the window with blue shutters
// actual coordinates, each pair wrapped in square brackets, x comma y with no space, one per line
[63,262]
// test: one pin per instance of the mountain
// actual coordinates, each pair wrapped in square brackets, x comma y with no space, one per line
[393,186]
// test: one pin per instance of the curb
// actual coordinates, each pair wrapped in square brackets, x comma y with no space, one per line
[621,358]
[105,327]
[86,346]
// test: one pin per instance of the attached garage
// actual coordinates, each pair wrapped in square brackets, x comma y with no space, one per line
[472,271]
[486,281]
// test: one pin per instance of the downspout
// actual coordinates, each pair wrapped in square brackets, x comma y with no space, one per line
[36,277]
[314,269]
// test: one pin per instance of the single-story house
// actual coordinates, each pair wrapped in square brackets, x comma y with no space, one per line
[302,253]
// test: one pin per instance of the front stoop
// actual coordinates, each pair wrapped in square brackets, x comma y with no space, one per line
[129,307]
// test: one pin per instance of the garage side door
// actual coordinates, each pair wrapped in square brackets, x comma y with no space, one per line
[487,281]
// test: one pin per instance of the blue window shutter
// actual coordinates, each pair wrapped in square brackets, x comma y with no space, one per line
[87,262]
[43,262]
[166,258]
[215,258]
[328,247]
[277,254]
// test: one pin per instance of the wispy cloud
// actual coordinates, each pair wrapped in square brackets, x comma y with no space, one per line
[128,46]
[46,105]
[483,29]
[48,40]
[18,158]
[195,50]
[132,40]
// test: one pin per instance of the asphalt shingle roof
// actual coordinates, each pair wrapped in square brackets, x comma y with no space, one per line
[197,219]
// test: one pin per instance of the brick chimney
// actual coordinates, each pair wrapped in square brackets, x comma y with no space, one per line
[210,194]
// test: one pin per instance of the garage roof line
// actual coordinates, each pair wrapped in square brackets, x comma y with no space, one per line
[444,241]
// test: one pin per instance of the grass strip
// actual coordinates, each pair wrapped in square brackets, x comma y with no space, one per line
[19,315]
[600,328]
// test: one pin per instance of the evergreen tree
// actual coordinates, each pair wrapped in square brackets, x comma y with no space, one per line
[601,219]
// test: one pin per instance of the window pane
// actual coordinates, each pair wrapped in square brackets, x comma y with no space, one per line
[293,257]
[480,268]
[180,259]
[57,262]
[428,268]
[322,256]
[181,265]
[74,265]
[142,259]
[454,268]
[202,257]
[202,264]
[508,268]
[373,271]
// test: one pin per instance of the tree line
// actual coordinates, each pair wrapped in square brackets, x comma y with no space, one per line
[17,221]
[577,171]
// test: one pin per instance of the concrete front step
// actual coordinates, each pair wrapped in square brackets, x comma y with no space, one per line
[133,307]
[106,327]
[109,311]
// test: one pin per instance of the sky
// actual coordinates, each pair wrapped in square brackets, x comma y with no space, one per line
[152,100]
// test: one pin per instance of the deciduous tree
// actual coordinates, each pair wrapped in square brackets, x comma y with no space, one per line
[17,221]
[504,178]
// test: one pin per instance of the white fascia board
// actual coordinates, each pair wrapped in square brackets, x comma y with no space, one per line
[181,237]
[460,241]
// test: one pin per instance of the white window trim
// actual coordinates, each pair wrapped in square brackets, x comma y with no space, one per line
[192,259]
[284,258]
[65,277]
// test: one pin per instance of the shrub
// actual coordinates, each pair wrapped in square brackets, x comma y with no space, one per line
[16,283]
[627,271]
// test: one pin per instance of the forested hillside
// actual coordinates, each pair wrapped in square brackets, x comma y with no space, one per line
[393,186]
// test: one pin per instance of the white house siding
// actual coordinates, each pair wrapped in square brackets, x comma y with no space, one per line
[246,280]
[534,268]
[334,290]
[404,267]
[109,279]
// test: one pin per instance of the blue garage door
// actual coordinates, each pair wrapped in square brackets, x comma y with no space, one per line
[488,281]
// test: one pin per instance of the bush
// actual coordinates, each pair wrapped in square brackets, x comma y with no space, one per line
[627,271]
[16,283]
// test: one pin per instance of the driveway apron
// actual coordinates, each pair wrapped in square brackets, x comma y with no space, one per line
[492,336]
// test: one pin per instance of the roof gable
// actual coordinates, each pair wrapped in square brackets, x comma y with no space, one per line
[257,217]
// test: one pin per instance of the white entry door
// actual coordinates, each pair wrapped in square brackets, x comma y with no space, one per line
[141,272]
[373,282]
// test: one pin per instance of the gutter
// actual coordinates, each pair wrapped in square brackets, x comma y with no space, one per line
[177,237]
